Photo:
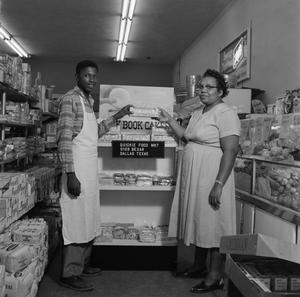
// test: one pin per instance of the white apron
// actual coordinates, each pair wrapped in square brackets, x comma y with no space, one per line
[81,216]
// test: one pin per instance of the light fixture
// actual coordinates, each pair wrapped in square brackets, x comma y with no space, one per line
[125,26]
[12,43]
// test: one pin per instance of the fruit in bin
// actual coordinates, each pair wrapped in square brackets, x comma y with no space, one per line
[285,153]
[295,204]
[275,151]
[265,153]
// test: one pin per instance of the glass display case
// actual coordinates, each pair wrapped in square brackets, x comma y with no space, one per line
[267,193]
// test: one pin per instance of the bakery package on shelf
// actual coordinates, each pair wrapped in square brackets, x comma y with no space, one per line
[162,233]
[135,137]
[106,179]
[144,180]
[119,178]
[144,112]
[130,178]
[147,234]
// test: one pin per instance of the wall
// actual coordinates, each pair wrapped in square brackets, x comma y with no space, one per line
[275,49]
[61,73]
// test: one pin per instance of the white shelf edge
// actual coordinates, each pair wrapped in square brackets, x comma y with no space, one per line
[108,144]
[136,188]
[128,242]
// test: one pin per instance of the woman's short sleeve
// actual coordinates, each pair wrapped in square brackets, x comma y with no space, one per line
[228,123]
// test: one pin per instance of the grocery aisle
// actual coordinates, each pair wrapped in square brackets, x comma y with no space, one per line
[122,284]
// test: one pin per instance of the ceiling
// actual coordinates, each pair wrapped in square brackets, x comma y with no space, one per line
[76,29]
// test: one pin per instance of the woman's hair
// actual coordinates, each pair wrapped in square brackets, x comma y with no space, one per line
[222,84]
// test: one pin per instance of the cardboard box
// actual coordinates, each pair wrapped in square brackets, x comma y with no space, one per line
[260,245]
[252,282]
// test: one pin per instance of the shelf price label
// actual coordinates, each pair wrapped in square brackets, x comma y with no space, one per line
[138,149]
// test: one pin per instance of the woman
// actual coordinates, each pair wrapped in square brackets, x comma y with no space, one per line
[203,208]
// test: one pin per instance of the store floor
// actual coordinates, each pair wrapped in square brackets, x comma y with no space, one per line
[122,283]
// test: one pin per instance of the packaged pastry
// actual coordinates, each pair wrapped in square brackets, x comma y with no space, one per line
[147,234]
[119,178]
[162,233]
[119,232]
[144,180]
[144,112]
[130,178]
[132,233]
[165,181]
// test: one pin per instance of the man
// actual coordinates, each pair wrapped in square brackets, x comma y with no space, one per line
[77,137]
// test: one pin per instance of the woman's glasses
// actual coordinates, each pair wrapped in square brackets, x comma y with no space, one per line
[207,87]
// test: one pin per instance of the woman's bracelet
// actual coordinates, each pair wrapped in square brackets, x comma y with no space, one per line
[219,182]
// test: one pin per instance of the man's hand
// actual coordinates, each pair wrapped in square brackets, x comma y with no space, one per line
[123,112]
[73,185]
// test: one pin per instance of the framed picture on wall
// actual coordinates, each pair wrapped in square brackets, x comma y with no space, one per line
[234,58]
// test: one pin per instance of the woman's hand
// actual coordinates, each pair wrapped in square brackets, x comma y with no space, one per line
[163,116]
[214,198]
[73,185]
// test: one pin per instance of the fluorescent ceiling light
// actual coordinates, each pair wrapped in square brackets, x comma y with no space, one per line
[119,49]
[123,52]
[13,44]
[127,31]
[131,9]
[125,8]
[125,26]
[4,34]
[122,30]
[19,47]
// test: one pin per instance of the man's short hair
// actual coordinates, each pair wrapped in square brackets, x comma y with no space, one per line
[85,63]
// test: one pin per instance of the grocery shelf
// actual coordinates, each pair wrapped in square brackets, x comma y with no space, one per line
[16,124]
[15,95]
[135,188]
[278,210]
[16,158]
[129,242]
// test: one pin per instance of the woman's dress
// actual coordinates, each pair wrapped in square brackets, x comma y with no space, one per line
[192,218]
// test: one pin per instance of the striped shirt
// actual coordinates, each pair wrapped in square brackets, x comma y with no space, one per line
[70,123]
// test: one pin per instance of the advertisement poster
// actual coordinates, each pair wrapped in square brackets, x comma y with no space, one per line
[114,97]
[234,58]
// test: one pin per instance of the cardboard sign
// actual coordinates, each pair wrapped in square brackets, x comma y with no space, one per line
[138,149]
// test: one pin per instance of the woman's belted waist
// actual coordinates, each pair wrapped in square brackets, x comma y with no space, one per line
[204,143]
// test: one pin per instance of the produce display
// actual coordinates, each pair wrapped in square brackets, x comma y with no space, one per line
[280,184]
[274,137]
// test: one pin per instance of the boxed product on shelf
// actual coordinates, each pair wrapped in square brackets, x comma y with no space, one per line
[15,256]
[19,284]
